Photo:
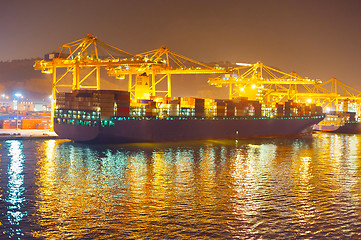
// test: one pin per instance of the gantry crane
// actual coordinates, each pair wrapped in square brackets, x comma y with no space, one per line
[259,81]
[73,64]
[336,95]
[84,54]
[164,63]
[271,84]
[331,95]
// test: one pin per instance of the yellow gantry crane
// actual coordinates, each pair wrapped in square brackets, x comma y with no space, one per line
[84,54]
[337,96]
[84,58]
[163,63]
[258,81]
[73,65]
[77,65]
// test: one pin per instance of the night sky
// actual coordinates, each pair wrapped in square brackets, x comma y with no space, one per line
[317,38]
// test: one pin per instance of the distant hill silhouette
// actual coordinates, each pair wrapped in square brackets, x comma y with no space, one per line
[20,76]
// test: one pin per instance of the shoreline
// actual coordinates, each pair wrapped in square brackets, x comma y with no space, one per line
[27,134]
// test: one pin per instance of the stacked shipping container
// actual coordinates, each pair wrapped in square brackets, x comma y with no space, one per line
[108,102]
[117,103]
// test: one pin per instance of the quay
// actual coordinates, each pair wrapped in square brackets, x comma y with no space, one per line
[26,134]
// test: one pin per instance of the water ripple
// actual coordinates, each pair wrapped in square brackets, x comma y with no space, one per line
[297,188]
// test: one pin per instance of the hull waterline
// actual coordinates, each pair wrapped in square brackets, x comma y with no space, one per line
[182,129]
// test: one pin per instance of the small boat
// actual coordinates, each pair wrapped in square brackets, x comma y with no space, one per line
[339,122]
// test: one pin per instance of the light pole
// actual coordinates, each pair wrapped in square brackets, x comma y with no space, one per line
[16,100]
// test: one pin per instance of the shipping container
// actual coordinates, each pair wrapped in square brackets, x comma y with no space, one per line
[122,111]
[173,109]
[28,124]
[280,110]
[230,108]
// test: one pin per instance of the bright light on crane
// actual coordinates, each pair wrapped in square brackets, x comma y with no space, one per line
[244,64]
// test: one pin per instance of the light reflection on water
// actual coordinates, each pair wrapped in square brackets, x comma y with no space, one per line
[302,188]
[14,199]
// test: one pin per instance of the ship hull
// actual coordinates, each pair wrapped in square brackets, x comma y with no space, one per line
[182,129]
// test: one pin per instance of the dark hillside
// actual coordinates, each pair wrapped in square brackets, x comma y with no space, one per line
[20,76]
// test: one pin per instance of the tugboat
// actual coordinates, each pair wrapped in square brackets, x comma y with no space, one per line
[339,122]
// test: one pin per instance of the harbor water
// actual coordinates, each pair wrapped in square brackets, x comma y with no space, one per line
[275,188]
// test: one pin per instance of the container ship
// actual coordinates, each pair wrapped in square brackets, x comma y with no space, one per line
[109,116]
[339,122]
